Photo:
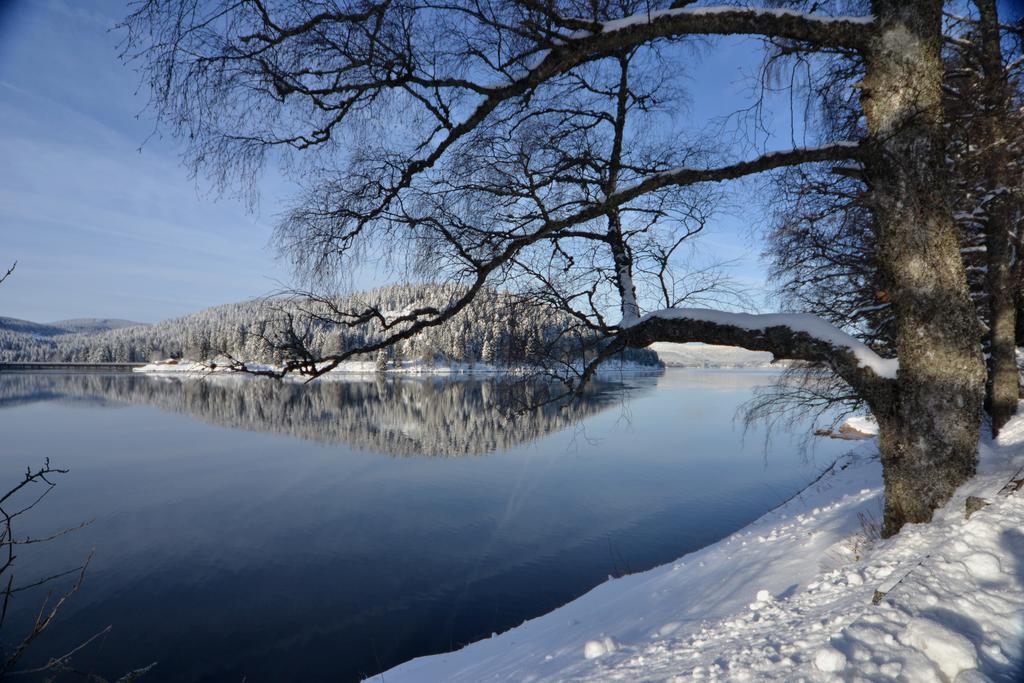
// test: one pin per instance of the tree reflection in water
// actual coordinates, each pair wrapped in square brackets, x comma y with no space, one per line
[399,416]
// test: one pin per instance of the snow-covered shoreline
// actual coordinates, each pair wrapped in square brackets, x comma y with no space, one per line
[408,368]
[790,597]
[703,356]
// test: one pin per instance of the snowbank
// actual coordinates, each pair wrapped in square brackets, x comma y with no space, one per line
[792,597]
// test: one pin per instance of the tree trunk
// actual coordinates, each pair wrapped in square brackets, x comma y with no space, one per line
[1004,378]
[620,250]
[1004,391]
[929,439]
[1019,303]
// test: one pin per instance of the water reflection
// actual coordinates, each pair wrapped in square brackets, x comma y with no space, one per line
[398,416]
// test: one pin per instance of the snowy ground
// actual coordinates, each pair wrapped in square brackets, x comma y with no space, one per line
[790,598]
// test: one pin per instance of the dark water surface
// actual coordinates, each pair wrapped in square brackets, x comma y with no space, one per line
[248,530]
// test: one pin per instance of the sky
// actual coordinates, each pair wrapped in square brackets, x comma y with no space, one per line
[99,214]
[103,219]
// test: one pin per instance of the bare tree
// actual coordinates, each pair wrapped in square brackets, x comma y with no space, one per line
[382,105]
[12,506]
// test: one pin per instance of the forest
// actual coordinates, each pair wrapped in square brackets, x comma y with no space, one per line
[499,329]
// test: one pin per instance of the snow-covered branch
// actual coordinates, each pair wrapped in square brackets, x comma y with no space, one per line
[792,336]
[817,330]
[726,19]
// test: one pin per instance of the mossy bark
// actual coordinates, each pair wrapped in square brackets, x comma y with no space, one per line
[929,432]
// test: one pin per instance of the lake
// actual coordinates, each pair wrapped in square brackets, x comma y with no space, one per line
[250,530]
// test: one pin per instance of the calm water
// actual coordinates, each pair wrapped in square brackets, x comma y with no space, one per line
[246,529]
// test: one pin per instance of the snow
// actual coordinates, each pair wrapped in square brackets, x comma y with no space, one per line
[829,660]
[791,597]
[188,368]
[697,355]
[651,17]
[812,325]
[599,648]
[948,651]
[865,424]
[983,566]
[193,368]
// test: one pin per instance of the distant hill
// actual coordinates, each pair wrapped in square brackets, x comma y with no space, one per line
[87,325]
[28,327]
[710,356]
[75,326]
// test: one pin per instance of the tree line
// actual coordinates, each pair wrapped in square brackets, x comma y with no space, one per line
[499,329]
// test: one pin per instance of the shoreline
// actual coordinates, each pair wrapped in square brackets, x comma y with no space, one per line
[367,368]
[794,595]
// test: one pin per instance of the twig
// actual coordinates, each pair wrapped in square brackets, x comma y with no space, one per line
[9,271]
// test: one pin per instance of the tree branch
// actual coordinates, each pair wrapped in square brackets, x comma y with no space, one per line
[787,336]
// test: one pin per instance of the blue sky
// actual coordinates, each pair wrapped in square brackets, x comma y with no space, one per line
[105,222]
[98,226]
